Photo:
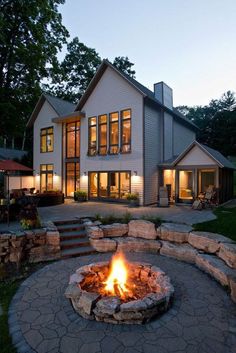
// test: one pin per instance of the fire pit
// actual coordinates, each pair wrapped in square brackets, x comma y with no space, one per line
[120,291]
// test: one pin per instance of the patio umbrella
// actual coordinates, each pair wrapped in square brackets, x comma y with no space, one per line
[6,167]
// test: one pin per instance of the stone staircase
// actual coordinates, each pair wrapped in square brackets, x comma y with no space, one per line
[73,239]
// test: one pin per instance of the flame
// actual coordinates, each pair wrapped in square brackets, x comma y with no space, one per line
[117,279]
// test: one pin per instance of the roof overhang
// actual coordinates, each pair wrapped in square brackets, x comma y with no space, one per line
[69,117]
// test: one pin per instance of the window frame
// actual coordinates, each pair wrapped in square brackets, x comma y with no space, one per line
[92,148]
[110,130]
[76,133]
[75,164]
[46,134]
[99,134]
[46,172]
[121,131]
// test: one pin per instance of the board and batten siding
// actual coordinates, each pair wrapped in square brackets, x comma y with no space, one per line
[182,137]
[44,120]
[168,136]
[153,139]
[113,94]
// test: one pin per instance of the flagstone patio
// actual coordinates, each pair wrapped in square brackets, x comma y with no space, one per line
[202,318]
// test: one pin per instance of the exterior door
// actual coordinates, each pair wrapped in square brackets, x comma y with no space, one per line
[72,178]
[186,178]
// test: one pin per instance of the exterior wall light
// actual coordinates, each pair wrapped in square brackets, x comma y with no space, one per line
[135,173]
[85,173]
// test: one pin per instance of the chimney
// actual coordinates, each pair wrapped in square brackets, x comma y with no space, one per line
[164,94]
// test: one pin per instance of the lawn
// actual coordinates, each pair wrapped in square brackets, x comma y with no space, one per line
[224,224]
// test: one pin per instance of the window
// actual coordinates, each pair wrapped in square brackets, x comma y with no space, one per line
[114,133]
[72,178]
[46,140]
[126,131]
[73,140]
[102,134]
[92,143]
[46,177]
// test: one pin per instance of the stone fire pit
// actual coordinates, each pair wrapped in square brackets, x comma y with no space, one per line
[149,293]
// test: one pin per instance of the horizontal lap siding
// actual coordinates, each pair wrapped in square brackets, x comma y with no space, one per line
[152,152]
[112,94]
[182,137]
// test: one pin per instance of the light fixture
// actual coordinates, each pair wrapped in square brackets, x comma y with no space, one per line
[135,173]
[55,173]
[85,173]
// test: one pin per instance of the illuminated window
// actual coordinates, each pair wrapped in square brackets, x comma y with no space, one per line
[114,133]
[92,136]
[46,177]
[72,177]
[126,131]
[73,140]
[46,140]
[102,134]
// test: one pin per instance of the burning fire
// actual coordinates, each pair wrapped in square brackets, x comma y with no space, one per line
[116,283]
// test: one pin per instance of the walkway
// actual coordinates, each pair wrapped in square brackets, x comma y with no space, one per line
[201,320]
[70,210]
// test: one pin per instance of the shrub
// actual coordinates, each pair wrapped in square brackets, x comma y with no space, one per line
[132,196]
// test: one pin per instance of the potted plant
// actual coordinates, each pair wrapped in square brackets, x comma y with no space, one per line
[133,200]
[80,196]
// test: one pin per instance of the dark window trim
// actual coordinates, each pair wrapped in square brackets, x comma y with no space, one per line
[108,198]
[121,131]
[46,172]
[110,124]
[99,137]
[72,162]
[47,134]
[90,148]
[77,129]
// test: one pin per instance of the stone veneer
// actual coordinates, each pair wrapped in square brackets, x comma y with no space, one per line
[34,245]
[212,253]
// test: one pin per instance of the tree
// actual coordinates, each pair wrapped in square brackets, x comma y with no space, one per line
[123,64]
[72,76]
[30,37]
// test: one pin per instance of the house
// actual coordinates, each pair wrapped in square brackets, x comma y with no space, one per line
[121,137]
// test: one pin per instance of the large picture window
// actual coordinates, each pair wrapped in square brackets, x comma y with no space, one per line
[109,185]
[73,140]
[92,136]
[126,131]
[46,177]
[46,140]
[72,177]
[114,133]
[102,134]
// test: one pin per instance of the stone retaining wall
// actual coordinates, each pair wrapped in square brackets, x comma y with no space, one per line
[212,253]
[33,245]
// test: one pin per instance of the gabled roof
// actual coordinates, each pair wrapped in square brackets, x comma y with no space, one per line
[61,107]
[146,93]
[222,161]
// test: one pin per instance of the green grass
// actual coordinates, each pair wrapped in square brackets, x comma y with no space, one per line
[7,290]
[224,224]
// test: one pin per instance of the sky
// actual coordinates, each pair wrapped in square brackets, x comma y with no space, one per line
[189,44]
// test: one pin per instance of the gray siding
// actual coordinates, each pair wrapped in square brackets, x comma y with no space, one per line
[152,152]
[182,137]
[168,136]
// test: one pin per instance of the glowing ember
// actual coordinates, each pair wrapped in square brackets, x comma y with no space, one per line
[116,283]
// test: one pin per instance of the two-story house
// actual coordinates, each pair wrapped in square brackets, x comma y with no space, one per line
[121,137]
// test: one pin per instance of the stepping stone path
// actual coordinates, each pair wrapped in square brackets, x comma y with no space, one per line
[201,320]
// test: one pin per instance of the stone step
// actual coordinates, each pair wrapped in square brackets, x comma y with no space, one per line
[70,227]
[70,221]
[74,243]
[79,251]
[75,234]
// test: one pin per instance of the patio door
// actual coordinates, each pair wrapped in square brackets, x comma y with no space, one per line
[72,178]
[186,186]
[207,178]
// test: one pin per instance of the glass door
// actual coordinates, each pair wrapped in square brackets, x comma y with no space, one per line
[72,178]
[185,185]
[103,185]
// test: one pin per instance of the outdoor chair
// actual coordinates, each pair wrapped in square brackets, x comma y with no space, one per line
[206,199]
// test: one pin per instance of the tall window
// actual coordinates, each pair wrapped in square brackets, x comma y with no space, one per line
[102,134]
[73,140]
[92,143]
[46,177]
[114,133]
[46,140]
[126,131]
[72,177]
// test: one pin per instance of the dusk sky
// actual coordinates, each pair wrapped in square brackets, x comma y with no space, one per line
[189,44]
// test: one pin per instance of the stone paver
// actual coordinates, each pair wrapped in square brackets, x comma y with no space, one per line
[71,209]
[202,318]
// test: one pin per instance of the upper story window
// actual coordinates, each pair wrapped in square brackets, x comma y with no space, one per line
[102,134]
[92,142]
[46,140]
[126,131]
[114,133]
[73,139]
